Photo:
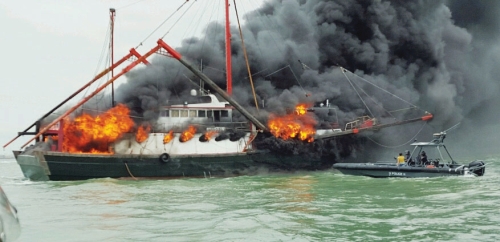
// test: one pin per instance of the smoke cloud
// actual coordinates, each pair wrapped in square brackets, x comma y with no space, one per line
[440,55]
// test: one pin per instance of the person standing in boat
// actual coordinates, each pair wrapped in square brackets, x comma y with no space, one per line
[423,158]
[408,159]
[400,160]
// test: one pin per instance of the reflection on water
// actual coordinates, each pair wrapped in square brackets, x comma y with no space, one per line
[297,193]
[105,191]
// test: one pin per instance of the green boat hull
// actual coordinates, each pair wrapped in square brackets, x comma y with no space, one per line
[41,166]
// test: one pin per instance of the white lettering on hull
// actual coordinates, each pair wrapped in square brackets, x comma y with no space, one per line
[392,173]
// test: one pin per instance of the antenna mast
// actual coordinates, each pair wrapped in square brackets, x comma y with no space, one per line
[112,14]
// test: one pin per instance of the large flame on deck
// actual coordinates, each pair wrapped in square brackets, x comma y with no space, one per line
[299,125]
[188,133]
[142,133]
[88,134]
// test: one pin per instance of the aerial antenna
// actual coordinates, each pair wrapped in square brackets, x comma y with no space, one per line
[112,14]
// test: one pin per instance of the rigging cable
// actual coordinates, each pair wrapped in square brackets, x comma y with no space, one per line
[297,79]
[101,57]
[272,73]
[376,103]
[452,127]
[383,89]
[206,31]
[187,50]
[105,44]
[407,142]
[147,37]
[177,19]
[168,31]
[246,57]
[343,72]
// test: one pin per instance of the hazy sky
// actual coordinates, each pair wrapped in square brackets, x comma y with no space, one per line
[51,48]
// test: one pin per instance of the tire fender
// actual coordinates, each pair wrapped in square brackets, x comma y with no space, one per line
[164,157]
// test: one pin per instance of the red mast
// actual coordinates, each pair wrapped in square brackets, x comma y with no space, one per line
[112,14]
[229,78]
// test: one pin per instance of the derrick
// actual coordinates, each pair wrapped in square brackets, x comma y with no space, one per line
[132,53]
[357,130]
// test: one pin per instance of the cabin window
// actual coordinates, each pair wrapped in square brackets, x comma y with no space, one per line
[184,113]
[217,115]
[192,113]
[202,113]
[224,113]
[165,113]
[210,113]
[175,113]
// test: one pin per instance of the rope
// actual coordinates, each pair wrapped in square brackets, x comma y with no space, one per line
[130,173]
[371,98]
[206,31]
[382,89]
[246,57]
[272,73]
[297,79]
[177,19]
[147,37]
[343,72]
[393,147]
[105,43]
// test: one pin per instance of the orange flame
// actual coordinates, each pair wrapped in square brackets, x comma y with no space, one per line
[294,125]
[188,134]
[168,137]
[208,135]
[142,133]
[301,109]
[87,134]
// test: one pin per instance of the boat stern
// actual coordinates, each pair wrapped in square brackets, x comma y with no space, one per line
[477,168]
[34,166]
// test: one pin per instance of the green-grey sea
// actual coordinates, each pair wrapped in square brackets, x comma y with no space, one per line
[308,206]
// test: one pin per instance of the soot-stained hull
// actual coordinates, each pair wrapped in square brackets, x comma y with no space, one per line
[40,166]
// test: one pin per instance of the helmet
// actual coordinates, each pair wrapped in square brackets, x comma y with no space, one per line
[423,152]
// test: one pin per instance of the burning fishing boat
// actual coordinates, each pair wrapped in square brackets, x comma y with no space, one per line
[200,137]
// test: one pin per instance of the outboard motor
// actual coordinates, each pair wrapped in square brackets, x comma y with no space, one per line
[477,167]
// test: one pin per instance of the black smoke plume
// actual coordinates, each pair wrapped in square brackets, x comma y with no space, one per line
[440,55]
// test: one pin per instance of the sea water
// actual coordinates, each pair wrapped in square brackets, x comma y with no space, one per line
[306,206]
